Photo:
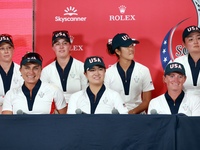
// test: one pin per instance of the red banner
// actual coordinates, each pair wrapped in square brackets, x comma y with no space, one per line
[158,25]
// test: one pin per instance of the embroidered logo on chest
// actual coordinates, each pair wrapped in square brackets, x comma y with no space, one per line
[136,79]
[185,107]
[105,100]
[41,94]
[15,80]
[72,75]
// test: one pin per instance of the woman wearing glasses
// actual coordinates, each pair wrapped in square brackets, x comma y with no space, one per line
[65,72]
[34,96]
[10,76]
[130,79]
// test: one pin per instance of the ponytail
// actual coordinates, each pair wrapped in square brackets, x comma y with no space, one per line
[111,51]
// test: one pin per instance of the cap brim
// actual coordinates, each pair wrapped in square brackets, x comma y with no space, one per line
[91,66]
[9,42]
[171,71]
[190,33]
[136,41]
[128,43]
[31,60]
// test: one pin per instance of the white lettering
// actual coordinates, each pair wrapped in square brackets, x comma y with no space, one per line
[175,66]
[77,48]
[192,29]
[33,57]
[125,37]
[122,17]
[91,60]
[112,18]
[99,60]
[64,19]
[4,38]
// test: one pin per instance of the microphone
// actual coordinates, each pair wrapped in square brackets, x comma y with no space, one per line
[115,111]
[79,111]
[20,112]
[153,112]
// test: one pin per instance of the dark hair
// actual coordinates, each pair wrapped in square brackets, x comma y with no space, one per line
[56,40]
[111,51]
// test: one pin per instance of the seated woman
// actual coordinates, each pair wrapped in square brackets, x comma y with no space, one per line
[96,98]
[34,96]
[175,100]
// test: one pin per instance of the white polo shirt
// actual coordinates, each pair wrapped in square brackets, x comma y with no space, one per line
[189,106]
[108,100]
[75,81]
[16,81]
[140,81]
[188,85]
[48,98]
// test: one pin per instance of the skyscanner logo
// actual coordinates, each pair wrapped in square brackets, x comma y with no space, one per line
[69,12]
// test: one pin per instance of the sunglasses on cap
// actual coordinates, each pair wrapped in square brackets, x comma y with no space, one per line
[7,35]
[31,55]
[60,32]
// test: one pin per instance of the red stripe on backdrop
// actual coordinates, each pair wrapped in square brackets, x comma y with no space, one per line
[16,5]
[16,26]
[16,19]
[16,13]
[22,40]
[23,44]
[20,52]
[16,0]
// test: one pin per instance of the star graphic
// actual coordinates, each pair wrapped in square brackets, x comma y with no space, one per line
[165,59]
[164,51]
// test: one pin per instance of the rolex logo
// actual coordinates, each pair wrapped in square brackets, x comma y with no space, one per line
[122,16]
[75,47]
[122,9]
[71,38]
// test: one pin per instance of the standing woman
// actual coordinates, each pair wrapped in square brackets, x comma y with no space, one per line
[191,61]
[97,98]
[34,96]
[129,78]
[10,76]
[65,72]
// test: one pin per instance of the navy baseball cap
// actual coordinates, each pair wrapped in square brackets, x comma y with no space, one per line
[31,57]
[174,67]
[189,30]
[93,61]
[122,40]
[60,34]
[6,38]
